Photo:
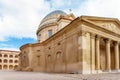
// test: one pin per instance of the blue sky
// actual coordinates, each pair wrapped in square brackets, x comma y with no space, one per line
[19,19]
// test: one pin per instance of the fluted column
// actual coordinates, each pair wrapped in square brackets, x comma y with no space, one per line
[97,53]
[92,43]
[116,55]
[108,54]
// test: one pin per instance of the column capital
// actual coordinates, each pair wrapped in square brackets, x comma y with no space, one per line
[115,42]
[82,33]
[107,40]
[92,35]
[97,37]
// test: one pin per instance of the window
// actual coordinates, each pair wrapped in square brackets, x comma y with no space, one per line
[5,67]
[16,56]
[0,66]
[38,58]
[5,60]
[10,61]
[5,55]
[10,67]
[0,60]
[15,67]
[16,61]
[49,33]
[58,55]
[0,55]
[39,37]
[11,56]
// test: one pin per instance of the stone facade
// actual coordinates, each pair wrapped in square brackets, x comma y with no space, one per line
[9,60]
[83,45]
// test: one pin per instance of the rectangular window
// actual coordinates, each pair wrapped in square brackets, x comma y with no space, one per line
[49,33]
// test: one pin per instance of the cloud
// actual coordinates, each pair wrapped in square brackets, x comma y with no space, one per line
[105,8]
[20,18]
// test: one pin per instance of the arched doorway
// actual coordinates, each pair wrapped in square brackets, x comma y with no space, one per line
[10,66]
[0,66]
[5,67]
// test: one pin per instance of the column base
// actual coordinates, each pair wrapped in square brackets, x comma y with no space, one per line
[98,71]
[107,70]
[117,70]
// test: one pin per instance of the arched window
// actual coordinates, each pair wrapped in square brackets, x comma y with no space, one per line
[38,60]
[10,66]
[0,66]
[15,67]
[11,56]
[0,55]
[16,61]
[59,58]
[58,55]
[0,60]
[16,56]
[10,61]
[5,55]
[49,58]
[5,60]
[5,67]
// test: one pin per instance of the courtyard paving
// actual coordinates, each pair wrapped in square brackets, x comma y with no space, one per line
[17,75]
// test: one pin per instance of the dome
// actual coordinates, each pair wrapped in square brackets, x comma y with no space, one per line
[55,13]
[51,18]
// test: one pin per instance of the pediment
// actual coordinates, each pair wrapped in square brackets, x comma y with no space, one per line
[110,24]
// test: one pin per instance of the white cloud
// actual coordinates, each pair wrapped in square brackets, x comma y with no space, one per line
[7,48]
[107,8]
[20,18]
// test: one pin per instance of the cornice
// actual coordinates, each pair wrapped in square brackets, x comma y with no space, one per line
[100,28]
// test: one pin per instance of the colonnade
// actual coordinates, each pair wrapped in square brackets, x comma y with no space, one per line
[95,42]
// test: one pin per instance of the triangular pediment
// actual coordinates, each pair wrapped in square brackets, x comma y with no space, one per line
[111,24]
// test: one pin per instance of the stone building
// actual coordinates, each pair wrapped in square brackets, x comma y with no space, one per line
[9,60]
[66,44]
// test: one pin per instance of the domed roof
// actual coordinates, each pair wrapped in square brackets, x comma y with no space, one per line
[56,12]
[51,18]
[53,13]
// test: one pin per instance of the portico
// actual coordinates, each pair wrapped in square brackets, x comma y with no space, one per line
[96,51]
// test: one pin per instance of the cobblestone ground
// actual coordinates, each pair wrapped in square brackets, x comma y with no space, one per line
[14,75]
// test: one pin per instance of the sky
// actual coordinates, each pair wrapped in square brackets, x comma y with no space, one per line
[19,19]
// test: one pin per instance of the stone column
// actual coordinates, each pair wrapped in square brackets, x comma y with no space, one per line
[116,55]
[97,53]
[92,43]
[108,54]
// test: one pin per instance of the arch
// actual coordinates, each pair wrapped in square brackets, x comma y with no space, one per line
[0,60]
[38,60]
[5,55]
[49,58]
[10,66]
[16,66]
[5,60]
[0,55]
[0,66]
[11,56]
[16,61]
[58,55]
[5,67]
[16,56]
[10,61]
